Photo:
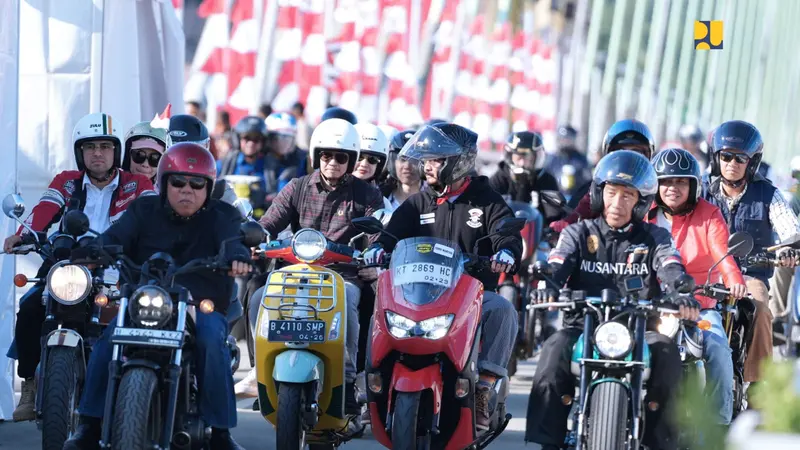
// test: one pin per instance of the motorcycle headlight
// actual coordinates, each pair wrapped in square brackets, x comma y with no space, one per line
[69,284]
[433,328]
[613,340]
[308,245]
[150,307]
[668,325]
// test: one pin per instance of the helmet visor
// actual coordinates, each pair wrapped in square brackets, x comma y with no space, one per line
[628,169]
[430,143]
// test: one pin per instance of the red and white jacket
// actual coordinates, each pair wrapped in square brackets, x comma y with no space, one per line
[57,197]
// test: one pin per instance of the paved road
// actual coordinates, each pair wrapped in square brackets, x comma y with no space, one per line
[254,432]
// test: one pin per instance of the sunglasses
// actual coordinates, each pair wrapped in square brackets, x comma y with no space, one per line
[728,157]
[140,156]
[340,158]
[370,159]
[179,181]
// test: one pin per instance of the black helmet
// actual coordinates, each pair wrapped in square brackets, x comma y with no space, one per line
[526,143]
[567,135]
[334,112]
[395,145]
[627,133]
[627,168]
[678,163]
[737,135]
[251,125]
[186,128]
[457,145]
[691,133]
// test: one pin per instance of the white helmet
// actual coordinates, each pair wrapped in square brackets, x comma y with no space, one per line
[389,131]
[95,126]
[338,135]
[374,143]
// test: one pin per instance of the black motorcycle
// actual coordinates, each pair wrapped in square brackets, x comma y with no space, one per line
[74,298]
[611,359]
[151,401]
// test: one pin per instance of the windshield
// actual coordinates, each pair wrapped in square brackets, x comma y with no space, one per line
[425,267]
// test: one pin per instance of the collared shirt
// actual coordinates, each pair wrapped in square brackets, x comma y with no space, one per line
[98,203]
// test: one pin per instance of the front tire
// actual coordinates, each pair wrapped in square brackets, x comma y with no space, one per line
[289,433]
[608,417]
[61,396]
[404,423]
[137,412]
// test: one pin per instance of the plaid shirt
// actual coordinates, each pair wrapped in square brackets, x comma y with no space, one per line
[328,211]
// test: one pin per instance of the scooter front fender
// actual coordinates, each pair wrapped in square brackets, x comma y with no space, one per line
[298,366]
[407,380]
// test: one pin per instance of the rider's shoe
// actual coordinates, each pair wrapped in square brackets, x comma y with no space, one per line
[26,410]
[483,398]
[87,436]
[248,387]
[221,439]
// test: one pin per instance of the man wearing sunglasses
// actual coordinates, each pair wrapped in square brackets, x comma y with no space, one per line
[328,200]
[751,204]
[245,167]
[186,223]
[98,188]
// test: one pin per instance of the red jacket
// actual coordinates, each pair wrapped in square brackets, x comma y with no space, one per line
[702,238]
[57,196]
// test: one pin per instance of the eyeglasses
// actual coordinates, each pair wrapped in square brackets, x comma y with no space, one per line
[370,159]
[739,157]
[340,158]
[179,181]
[91,147]
[140,156]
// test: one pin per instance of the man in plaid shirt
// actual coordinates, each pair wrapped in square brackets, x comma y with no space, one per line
[327,200]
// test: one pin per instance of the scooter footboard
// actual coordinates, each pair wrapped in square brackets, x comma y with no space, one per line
[408,380]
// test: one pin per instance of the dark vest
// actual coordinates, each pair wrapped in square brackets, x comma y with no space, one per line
[750,215]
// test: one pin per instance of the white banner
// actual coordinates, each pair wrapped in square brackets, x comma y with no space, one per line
[9,65]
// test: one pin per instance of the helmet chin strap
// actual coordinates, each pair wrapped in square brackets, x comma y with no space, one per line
[111,172]
[734,184]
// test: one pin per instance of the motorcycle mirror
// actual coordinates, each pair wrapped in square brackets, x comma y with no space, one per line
[553,198]
[244,207]
[252,234]
[13,206]
[740,244]
[541,267]
[369,225]
[76,223]
[508,227]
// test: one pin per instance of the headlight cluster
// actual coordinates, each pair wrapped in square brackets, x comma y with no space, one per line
[150,307]
[308,245]
[433,328]
[668,325]
[69,284]
[613,340]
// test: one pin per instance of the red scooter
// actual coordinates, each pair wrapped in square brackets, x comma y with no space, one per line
[421,361]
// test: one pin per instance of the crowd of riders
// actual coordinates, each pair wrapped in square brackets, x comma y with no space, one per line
[662,215]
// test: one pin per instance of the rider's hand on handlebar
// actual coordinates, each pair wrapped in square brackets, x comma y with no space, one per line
[738,291]
[502,261]
[544,295]
[11,242]
[689,313]
[369,274]
[689,307]
[239,268]
[788,257]
[374,255]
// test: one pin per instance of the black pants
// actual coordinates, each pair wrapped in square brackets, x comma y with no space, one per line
[547,416]
[28,332]
[254,284]
[365,307]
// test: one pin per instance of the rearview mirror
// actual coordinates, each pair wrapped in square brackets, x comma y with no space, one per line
[76,223]
[369,225]
[13,206]
[554,198]
[740,244]
[507,227]
[252,234]
[244,207]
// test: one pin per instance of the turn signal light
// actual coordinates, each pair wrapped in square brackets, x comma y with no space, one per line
[101,300]
[704,325]
[20,280]
[566,400]
[462,387]
[652,406]
[375,382]
[206,306]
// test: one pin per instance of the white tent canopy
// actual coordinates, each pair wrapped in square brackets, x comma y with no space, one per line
[64,59]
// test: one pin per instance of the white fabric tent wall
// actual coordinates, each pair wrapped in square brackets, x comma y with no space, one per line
[121,57]
[9,65]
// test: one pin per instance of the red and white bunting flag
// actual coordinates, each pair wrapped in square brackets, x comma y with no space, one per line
[178,5]
[500,92]
[162,120]
[443,66]
[347,60]
[544,67]
[313,57]
[370,77]
[470,63]
[241,63]
[519,66]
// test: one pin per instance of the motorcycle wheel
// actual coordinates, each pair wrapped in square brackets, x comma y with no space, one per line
[404,423]
[137,412]
[289,433]
[608,417]
[61,396]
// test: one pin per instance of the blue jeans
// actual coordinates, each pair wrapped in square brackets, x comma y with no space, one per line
[217,402]
[719,367]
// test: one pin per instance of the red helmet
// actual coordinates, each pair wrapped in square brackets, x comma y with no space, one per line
[188,159]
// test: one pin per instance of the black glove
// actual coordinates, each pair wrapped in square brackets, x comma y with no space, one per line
[544,295]
[686,300]
[684,284]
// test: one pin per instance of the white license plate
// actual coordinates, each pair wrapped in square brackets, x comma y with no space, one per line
[150,338]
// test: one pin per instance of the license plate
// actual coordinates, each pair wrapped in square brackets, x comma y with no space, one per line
[148,338]
[296,331]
